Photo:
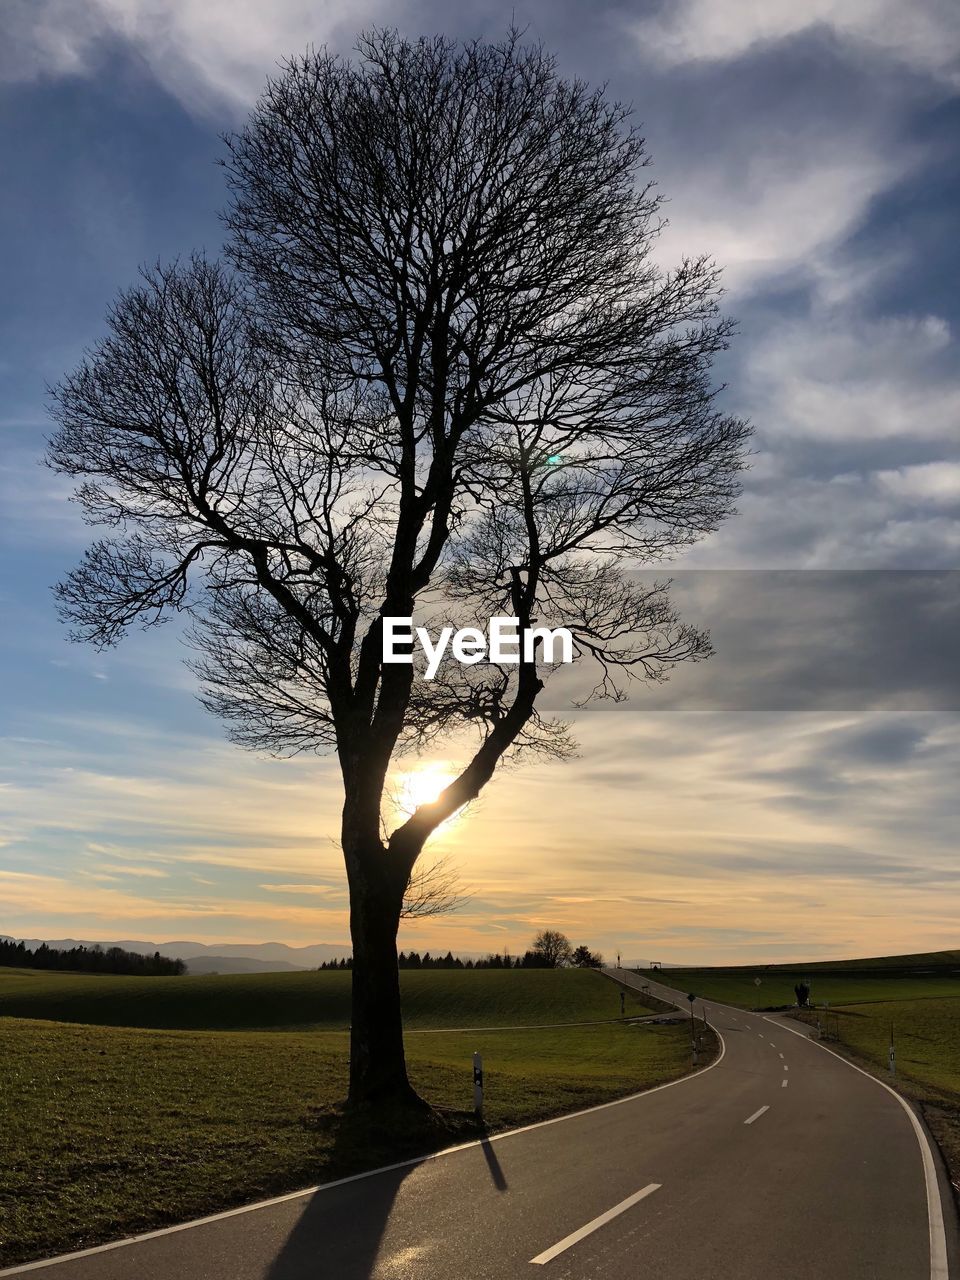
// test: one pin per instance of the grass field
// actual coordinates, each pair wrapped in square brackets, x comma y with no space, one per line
[858,986]
[926,1034]
[308,1001]
[913,962]
[108,1130]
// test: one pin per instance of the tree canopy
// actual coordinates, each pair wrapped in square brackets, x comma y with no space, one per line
[438,372]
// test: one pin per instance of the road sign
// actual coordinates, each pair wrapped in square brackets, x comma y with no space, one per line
[691,997]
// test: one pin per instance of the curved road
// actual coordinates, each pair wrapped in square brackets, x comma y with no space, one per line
[780,1162]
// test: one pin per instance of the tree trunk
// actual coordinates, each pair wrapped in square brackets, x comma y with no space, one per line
[378,1069]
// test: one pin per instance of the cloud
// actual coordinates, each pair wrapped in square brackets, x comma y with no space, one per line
[325,890]
[842,379]
[782,212]
[773,164]
[936,484]
[738,822]
[35,507]
[857,453]
[150,872]
[861,642]
[210,54]
[165,802]
[38,904]
[923,35]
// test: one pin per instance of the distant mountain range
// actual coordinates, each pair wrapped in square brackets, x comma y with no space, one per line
[217,957]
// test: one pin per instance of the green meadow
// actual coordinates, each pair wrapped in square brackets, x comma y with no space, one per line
[314,1000]
[111,1122]
[834,986]
[926,1034]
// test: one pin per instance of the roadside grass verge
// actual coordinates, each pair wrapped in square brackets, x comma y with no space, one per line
[105,1132]
[312,1000]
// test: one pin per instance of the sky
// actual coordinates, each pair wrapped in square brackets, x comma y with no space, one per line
[796,796]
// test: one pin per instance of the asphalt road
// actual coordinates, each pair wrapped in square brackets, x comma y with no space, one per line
[780,1162]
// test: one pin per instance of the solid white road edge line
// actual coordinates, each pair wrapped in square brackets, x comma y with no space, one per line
[756,1115]
[358,1177]
[604,1218]
[939,1269]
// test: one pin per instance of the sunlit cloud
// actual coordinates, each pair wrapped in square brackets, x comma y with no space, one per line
[782,213]
[324,890]
[211,55]
[924,36]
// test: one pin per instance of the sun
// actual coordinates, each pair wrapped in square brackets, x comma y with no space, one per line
[423,784]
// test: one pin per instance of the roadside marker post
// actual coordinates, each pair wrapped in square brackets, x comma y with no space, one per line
[478,1084]
[892,1060]
[693,1029]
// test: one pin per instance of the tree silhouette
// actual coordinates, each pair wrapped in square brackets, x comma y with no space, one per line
[439,374]
[553,948]
[432,890]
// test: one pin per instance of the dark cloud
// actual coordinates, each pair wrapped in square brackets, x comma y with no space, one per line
[807,640]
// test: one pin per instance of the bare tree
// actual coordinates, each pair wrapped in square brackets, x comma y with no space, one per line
[433,890]
[553,948]
[443,377]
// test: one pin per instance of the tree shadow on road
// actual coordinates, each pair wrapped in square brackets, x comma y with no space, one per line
[339,1234]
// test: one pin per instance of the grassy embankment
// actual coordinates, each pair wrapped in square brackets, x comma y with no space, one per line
[836,986]
[111,1129]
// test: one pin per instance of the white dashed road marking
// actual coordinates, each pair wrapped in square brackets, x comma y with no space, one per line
[602,1220]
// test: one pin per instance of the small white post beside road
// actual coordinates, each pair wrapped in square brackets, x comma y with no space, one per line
[694,1045]
[478,1084]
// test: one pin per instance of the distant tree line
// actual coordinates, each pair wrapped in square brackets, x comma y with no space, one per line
[550,950]
[95,959]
